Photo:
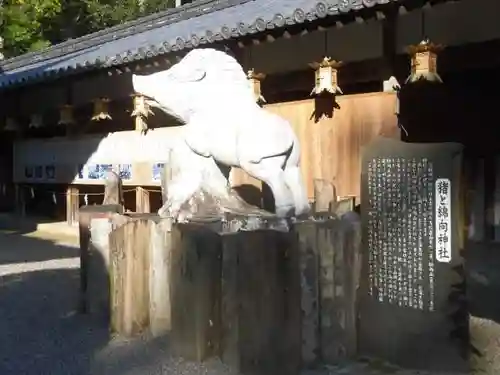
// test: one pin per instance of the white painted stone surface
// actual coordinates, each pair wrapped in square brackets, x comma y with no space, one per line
[209,92]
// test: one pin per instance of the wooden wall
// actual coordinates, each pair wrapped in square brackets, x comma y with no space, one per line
[450,113]
[331,146]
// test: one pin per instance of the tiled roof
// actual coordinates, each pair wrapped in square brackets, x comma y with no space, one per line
[201,22]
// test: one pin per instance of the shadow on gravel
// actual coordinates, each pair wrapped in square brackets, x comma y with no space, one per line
[482,263]
[20,224]
[16,248]
[41,332]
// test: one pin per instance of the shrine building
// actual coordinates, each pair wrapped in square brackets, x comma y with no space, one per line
[341,71]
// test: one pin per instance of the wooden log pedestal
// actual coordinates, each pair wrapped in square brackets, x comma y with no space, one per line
[260,303]
[94,228]
[215,293]
[140,275]
[329,257]
[264,301]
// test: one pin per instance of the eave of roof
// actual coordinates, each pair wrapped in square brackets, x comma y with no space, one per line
[201,22]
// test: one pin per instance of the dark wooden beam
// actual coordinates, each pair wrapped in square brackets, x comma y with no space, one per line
[389,41]
[451,60]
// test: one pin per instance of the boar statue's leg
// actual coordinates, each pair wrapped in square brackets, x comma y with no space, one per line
[190,177]
[179,191]
[293,179]
[270,171]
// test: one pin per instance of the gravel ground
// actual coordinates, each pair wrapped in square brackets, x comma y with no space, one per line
[41,333]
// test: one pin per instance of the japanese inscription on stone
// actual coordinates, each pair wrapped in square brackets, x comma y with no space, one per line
[443,220]
[401,243]
[412,278]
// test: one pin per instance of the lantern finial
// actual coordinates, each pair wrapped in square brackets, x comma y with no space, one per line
[255,80]
[424,62]
[101,110]
[11,125]
[36,121]
[66,115]
[326,77]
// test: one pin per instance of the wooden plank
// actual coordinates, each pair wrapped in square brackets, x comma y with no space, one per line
[331,147]
[72,204]
[260,309]
[350,268]
[329,240]
[329,261]
[309,278]
[129,275]
[117,252]
[20,197]
[159,277]
[142,200]
[94,255]
[195,291]
[325,196]
[293,311]
[93,267]
[344,205]
[97,266]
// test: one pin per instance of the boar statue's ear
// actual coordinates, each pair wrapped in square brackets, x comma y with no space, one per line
[198,75]
[193,75]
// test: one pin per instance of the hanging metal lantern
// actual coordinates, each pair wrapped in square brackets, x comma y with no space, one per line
[141,112]
[326,77]
[255,80]
[424,62]
[101,109]
[66,115]
[11,125]
[36,121]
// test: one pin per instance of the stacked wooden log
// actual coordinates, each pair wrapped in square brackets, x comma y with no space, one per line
[264,301]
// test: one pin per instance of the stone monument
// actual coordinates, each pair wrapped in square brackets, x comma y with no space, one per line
[412,291]
[224,127]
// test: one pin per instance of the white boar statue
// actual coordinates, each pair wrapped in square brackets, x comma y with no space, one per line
[224,127]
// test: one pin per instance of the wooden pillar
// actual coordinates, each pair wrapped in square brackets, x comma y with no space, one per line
[20,200]
[476,201]
[389,48]
[142,200]
[72,204]
[496,204]
[489,197]
[325,196]
[113,192]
